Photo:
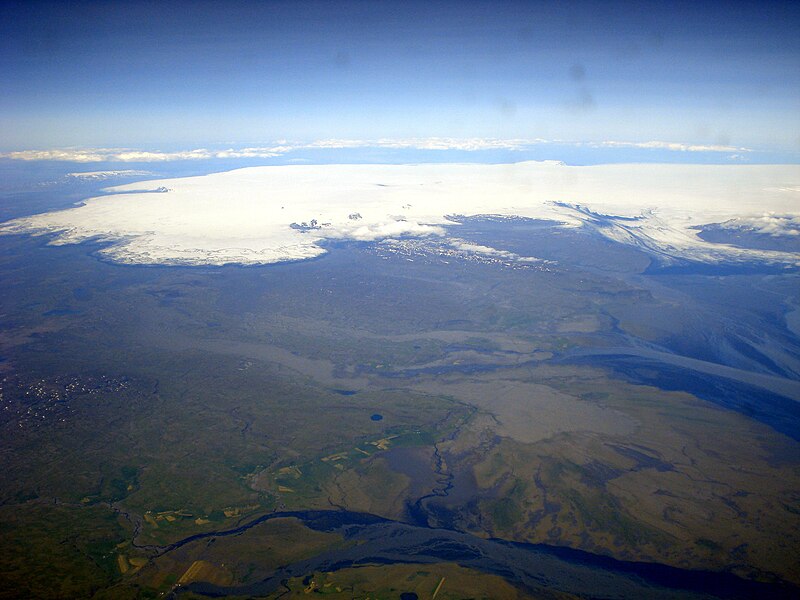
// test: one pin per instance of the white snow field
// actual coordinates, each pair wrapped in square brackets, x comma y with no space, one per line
[246,216]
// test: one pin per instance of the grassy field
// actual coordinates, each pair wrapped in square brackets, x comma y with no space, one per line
[442,581]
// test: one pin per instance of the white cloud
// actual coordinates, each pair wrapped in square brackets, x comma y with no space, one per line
[469,144]
[282,147]
[127,155]
[672,146]
[108,174]
[96,155]
[471,248]
[389,228]
[256,152]
[767,223]
[429,143]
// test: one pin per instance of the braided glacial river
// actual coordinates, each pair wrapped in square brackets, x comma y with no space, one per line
[529,566]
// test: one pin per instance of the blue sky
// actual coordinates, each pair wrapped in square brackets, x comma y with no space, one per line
[166,74]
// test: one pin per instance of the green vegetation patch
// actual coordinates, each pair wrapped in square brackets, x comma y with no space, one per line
[56,551]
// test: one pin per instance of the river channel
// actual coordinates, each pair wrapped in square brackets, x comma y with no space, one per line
[534,567]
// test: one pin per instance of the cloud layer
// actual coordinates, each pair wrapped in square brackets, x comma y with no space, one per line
[100,175]
[125,155]
[89,155]
[672,146]
[270,214]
